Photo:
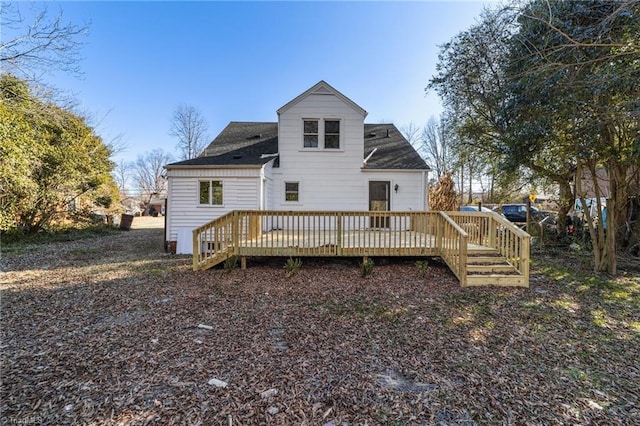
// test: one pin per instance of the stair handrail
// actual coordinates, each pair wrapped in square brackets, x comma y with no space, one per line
[518,258]
[455,259]
[215,245]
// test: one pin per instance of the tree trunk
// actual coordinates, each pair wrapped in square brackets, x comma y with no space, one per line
[470,197]
[600,258]
[565,203]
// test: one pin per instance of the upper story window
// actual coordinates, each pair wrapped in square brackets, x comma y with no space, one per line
[323,134]
[311,133]
[211,192]
[331,134]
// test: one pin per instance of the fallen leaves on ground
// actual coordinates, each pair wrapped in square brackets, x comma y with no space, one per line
[112,330]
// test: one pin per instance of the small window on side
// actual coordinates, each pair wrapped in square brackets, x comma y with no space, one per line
[291,191]
[210,193]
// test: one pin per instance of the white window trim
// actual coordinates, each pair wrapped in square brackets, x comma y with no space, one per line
[209,204]
[324,134]
[321,135]
[320,124]
[284,198]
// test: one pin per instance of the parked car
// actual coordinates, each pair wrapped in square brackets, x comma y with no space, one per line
[518,212]
[473,209]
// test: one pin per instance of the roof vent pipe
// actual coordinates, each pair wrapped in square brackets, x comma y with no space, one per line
[387,132]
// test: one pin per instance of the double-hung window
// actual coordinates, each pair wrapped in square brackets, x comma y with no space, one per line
[321,134]
[211,192]
[331,134]
[292,191]
[311,133]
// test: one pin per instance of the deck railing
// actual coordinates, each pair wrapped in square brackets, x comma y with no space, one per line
[492,230]
[213,241]
[452,246]
[359,233]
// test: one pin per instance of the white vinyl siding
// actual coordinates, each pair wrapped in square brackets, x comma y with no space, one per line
[330,179]
[241,190]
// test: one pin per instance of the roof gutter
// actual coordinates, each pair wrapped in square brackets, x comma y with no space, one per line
[217,166]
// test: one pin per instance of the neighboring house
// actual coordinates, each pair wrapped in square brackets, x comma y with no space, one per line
[319,156]
[588,183]
[157,204]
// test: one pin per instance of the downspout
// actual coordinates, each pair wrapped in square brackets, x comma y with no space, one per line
[364,162]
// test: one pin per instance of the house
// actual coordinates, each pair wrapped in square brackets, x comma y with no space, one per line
[318,156]
[156,206]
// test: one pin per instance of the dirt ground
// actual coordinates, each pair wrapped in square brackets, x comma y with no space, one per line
[112,330]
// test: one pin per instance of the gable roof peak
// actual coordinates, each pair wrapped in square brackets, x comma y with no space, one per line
[322,88]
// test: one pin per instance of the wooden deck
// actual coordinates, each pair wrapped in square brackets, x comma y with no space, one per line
[479,248]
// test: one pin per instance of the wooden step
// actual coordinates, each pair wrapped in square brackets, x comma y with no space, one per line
[496,279]
[490,269]
[484,260]
[218,258]
[482,252]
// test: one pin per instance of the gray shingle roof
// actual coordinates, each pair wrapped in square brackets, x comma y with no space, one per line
[244,143]
[393,151]
[239,144]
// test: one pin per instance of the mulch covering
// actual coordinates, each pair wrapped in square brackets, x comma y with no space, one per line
[114,331]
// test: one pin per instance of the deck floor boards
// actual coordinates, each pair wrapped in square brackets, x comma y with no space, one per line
[395,243]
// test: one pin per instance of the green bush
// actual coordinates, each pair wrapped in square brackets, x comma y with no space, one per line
[292,266]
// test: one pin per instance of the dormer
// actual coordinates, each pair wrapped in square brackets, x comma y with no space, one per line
[321,119]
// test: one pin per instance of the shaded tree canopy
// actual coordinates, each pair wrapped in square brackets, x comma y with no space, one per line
[49,157]
[551,87]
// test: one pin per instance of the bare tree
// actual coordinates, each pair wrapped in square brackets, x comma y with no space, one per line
[122,174]
[437,147]
[44,45]
[411,132]
[149,173]
[190,127]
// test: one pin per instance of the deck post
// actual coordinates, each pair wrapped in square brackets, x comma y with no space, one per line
[196,253]
[524,263]
[235,231]
[243,262]
[462,261]
[439,233]
[493,230]
[339,234]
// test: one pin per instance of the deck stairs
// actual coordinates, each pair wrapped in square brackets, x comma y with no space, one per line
[219,257]
[487,267]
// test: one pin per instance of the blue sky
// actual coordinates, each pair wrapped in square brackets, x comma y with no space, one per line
[242,61]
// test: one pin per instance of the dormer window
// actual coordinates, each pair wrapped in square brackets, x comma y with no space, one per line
[321,134]
[311,133]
